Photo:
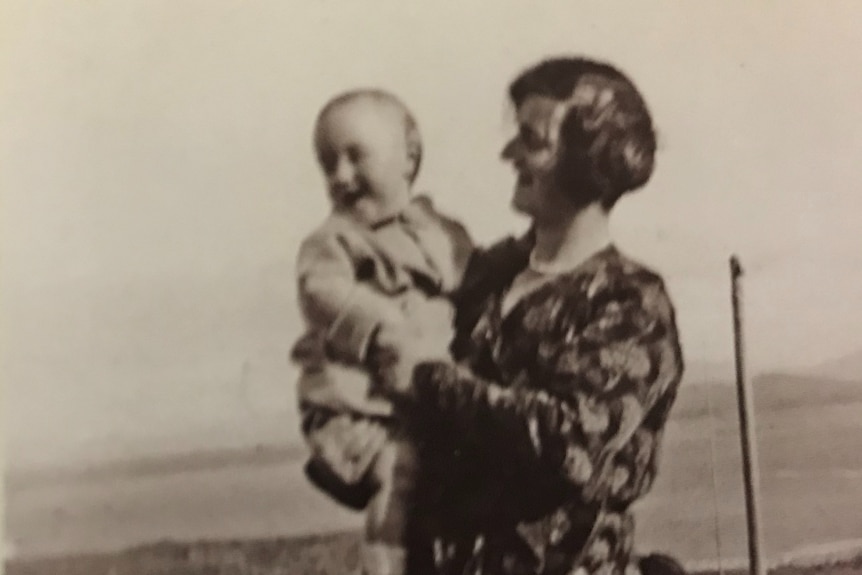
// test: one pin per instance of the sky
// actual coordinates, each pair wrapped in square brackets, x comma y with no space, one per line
[157,176]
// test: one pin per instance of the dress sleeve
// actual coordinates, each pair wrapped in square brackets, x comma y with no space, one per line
[596,388]
[331,297]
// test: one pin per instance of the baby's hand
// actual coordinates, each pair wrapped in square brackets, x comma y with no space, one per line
[397,349]
[401,340]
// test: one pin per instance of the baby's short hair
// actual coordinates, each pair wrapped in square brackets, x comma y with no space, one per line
[411,127]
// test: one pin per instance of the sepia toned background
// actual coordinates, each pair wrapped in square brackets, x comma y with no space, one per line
[157,176]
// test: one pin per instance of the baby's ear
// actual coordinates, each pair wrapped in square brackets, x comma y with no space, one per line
[414,157]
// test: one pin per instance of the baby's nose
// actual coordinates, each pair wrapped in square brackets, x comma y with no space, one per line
[343,172]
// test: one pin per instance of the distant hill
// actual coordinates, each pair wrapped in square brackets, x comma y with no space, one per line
[772,392]
[845,368]
[701,371]
[155,465]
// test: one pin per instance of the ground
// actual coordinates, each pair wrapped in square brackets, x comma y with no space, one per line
[809,434]
[323,555]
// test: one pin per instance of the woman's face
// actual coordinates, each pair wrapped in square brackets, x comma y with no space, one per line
[533,152]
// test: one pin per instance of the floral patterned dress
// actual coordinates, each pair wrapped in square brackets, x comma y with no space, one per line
[537,444]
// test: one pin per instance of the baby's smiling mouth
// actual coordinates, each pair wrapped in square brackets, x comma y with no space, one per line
[349,196]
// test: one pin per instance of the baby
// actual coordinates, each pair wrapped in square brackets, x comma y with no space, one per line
[382,259]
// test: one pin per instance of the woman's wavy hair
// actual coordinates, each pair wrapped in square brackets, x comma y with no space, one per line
[607,137]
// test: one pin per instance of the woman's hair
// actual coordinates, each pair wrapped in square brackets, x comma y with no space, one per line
[607,140]
[411,127]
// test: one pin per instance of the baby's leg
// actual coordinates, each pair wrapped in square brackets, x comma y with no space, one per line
[343,451]
[390,509]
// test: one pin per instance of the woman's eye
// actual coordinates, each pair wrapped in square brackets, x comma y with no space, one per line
[531,139]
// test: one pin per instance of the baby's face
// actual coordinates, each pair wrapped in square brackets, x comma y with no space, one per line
[362,150]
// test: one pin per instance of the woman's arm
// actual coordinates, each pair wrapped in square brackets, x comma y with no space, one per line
[600,385]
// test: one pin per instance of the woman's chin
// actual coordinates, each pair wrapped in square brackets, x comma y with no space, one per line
[520,204]
[520,201]
[517,208]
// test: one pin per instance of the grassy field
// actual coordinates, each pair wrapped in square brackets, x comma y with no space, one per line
[809,434]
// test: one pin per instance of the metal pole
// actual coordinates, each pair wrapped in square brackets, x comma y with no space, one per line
[751,473]
[716,508]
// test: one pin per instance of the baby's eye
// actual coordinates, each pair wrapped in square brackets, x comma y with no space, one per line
[355,155]
[327,162]
[530,138]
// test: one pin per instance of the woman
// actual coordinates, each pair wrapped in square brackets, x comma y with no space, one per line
[537,444]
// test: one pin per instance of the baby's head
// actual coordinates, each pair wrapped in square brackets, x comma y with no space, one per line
[369,149]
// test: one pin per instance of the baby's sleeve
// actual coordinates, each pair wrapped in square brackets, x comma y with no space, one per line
[335,302]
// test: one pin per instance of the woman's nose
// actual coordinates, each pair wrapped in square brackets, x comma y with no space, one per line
[510,150]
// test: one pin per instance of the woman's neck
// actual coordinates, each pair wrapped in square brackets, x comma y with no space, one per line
[568,242]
